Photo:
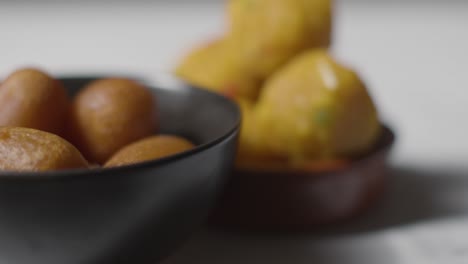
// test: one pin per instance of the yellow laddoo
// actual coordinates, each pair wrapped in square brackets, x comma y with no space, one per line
[216,67]
[316,108]
[267,33]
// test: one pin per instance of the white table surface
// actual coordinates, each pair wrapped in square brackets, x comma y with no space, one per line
[412,54]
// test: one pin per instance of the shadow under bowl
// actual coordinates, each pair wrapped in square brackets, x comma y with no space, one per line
[131,214]
[303,200]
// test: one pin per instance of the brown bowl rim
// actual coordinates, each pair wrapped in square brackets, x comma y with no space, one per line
[384,144]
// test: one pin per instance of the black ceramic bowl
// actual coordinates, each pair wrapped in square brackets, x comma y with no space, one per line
[134,214]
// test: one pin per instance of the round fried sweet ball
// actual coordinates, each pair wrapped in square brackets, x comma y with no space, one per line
[26,149]
[31,98]
[109,114]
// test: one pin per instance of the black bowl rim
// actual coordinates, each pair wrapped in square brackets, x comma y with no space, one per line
[388,136]
[91,172]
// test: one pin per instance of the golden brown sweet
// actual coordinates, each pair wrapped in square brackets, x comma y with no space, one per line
[109,114]
[31,98]
[316,108]
[150,148]
[25,149]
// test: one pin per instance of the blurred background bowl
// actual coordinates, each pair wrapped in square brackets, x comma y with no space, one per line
[304,200]
[132,214]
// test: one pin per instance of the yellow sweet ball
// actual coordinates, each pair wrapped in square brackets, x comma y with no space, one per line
[315,107]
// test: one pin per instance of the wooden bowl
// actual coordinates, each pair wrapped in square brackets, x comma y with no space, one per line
[304,200]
